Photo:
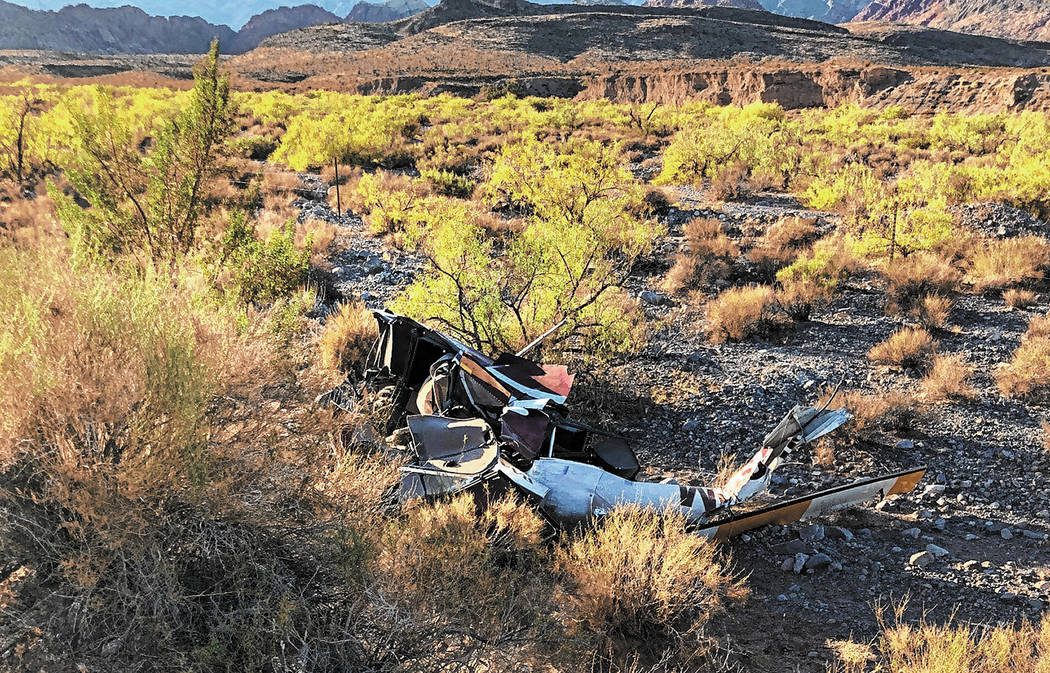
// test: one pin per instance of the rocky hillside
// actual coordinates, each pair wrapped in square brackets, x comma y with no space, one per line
[379,12]
[460,34]
[738,4]
[129,30]
[1017,19]
[832,11]
[274,21]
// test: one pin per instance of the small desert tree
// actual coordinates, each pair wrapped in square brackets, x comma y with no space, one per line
[16,124]
[147,192]
[584,227]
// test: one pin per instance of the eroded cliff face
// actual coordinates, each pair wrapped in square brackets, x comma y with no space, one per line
[919,89]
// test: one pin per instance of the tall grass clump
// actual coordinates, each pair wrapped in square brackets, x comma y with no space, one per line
[641,582]
[926,646]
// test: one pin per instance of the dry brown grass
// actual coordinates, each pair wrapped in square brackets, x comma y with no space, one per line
[998,265]
[932,311]
[740,312]
[1020,299]
[798,298]
[780,244]
[731,183]
[280,182]
[1045,427]
[875,413]
[347,337]
[706,259]
[910,348]
[948,379]
[642,582]
[26,221]
[917,276]
[320,234]
[926,647]
[1027,374]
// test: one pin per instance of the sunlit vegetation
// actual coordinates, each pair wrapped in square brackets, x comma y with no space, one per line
[910,348]
[913,648]
[164,474]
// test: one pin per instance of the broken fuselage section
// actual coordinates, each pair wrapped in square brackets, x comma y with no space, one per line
[487,424]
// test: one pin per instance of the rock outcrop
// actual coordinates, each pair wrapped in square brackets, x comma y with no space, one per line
[1017,19]
[380,12]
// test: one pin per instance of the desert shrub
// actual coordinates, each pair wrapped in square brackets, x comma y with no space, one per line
[799,298]
[642,582]
[739,313]
[1027,374]
[145,205]
[948,379]
[1020,299]
[448,183]
[390,202]
[262,271]
[932,311]
[348,335]
[879,412]
[780,244]
[579,238]
[910,348]
[917,276]
[998,265]
[706,258]
[809,281]
[907,648]
[472,583]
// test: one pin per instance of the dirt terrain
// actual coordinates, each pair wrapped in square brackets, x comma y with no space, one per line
[980,515]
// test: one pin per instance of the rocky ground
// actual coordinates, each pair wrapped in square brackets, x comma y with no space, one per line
[971,541]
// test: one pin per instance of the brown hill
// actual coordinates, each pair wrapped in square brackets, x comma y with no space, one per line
[1017,19]
[515,31]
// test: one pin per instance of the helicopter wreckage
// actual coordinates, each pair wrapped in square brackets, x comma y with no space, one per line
[490,425]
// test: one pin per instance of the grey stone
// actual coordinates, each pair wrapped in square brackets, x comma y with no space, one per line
[654,298]
[818,562]
[913,533]
[1006,534]
[800,563]
[905,444]
[939,552]
[812,533]
[791,547]
[921,559]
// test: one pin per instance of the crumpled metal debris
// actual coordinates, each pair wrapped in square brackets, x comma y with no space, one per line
[487,425]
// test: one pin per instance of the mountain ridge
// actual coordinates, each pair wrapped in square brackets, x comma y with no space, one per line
[1015,19]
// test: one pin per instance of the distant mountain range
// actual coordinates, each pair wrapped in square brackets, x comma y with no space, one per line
[1019,19]
[158,26]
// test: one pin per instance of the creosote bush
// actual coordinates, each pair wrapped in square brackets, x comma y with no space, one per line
[910,348]
[739,313]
